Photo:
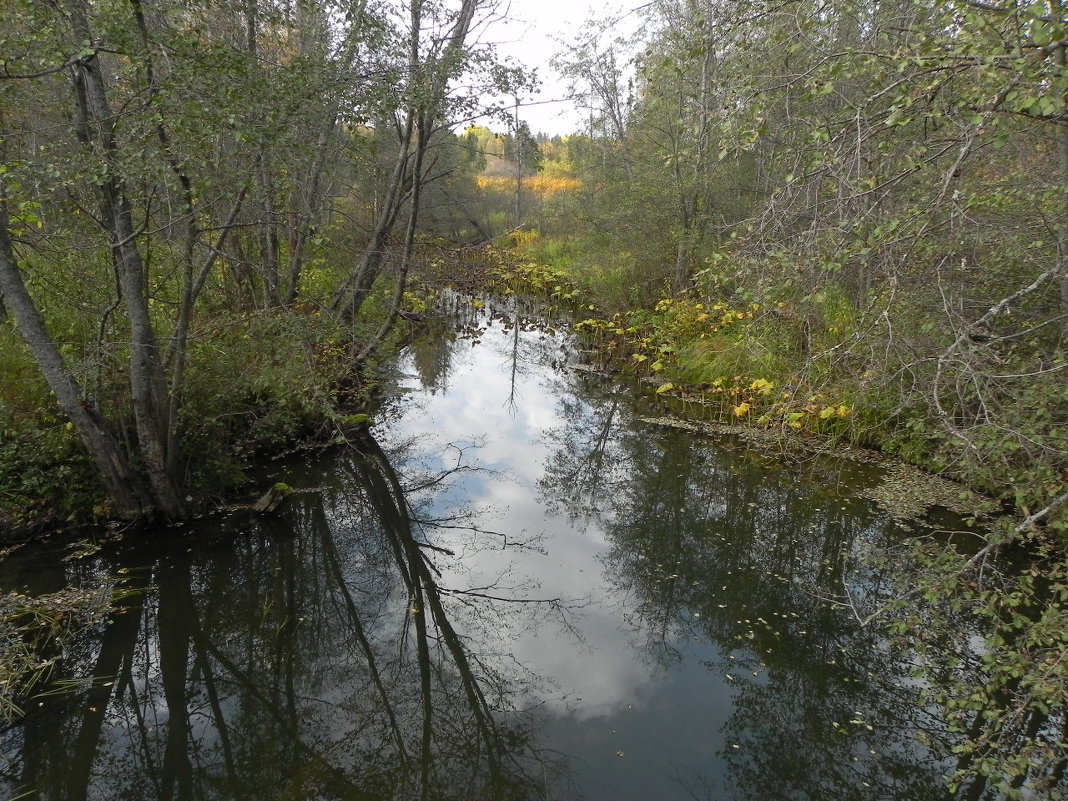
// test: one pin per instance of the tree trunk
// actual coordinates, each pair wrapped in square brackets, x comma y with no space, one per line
[306,209]
[95,126]
[423,127]
[193,285]
[430,75]
[268,236]
[1061,59]
[108,459]
[683,279]
[350,296]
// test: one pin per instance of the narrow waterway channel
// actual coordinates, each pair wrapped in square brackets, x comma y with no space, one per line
[516,587]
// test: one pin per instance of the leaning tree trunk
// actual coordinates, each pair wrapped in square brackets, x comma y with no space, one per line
[353,292]
[423,127]
[108,459]
[429,76]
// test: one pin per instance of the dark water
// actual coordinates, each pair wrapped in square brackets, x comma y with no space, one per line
[517,589]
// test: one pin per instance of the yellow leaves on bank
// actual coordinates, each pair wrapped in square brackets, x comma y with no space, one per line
[762,386]
[835,411]
[648,343]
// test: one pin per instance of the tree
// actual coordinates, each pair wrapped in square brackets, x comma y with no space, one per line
[878,165]
[187,162]
[152,145]
[110,461]
[425,90]
[651,163]
[902,239]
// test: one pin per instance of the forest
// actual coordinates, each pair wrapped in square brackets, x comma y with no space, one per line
[837,220]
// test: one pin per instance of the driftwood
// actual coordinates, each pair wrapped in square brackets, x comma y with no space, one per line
[272,499]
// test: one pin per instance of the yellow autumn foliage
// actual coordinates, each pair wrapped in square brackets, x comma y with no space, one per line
[547,186]
[543,186]
[761,385]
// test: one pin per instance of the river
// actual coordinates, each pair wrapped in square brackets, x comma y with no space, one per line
[519,585]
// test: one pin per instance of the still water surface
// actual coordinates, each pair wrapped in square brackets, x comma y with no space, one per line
[519,588]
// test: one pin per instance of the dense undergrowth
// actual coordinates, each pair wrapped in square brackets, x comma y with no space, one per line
[773,357]
[262,382]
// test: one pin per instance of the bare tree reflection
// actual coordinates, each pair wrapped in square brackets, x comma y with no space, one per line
[587,468]
[722,548]
[321,661]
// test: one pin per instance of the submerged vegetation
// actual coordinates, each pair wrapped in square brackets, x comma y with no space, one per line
[34,633]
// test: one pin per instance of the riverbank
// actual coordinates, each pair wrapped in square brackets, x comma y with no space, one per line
[799,367]
[261,384]
[1014,684]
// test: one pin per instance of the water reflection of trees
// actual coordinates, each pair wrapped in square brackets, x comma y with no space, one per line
[318,659]
[431,354]
[730,549]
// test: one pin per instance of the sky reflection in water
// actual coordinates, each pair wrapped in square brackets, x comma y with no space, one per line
[320,656]
[601,675]
[645,702]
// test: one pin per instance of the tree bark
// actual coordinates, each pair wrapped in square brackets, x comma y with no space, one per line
[409,239]
[306,209]
[268,239]
[350,296]
[95,127]
[108,459]
[1060,57]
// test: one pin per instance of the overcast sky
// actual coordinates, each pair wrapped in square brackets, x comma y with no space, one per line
[532,33]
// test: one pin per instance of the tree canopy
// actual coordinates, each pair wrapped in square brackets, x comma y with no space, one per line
[167,163]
